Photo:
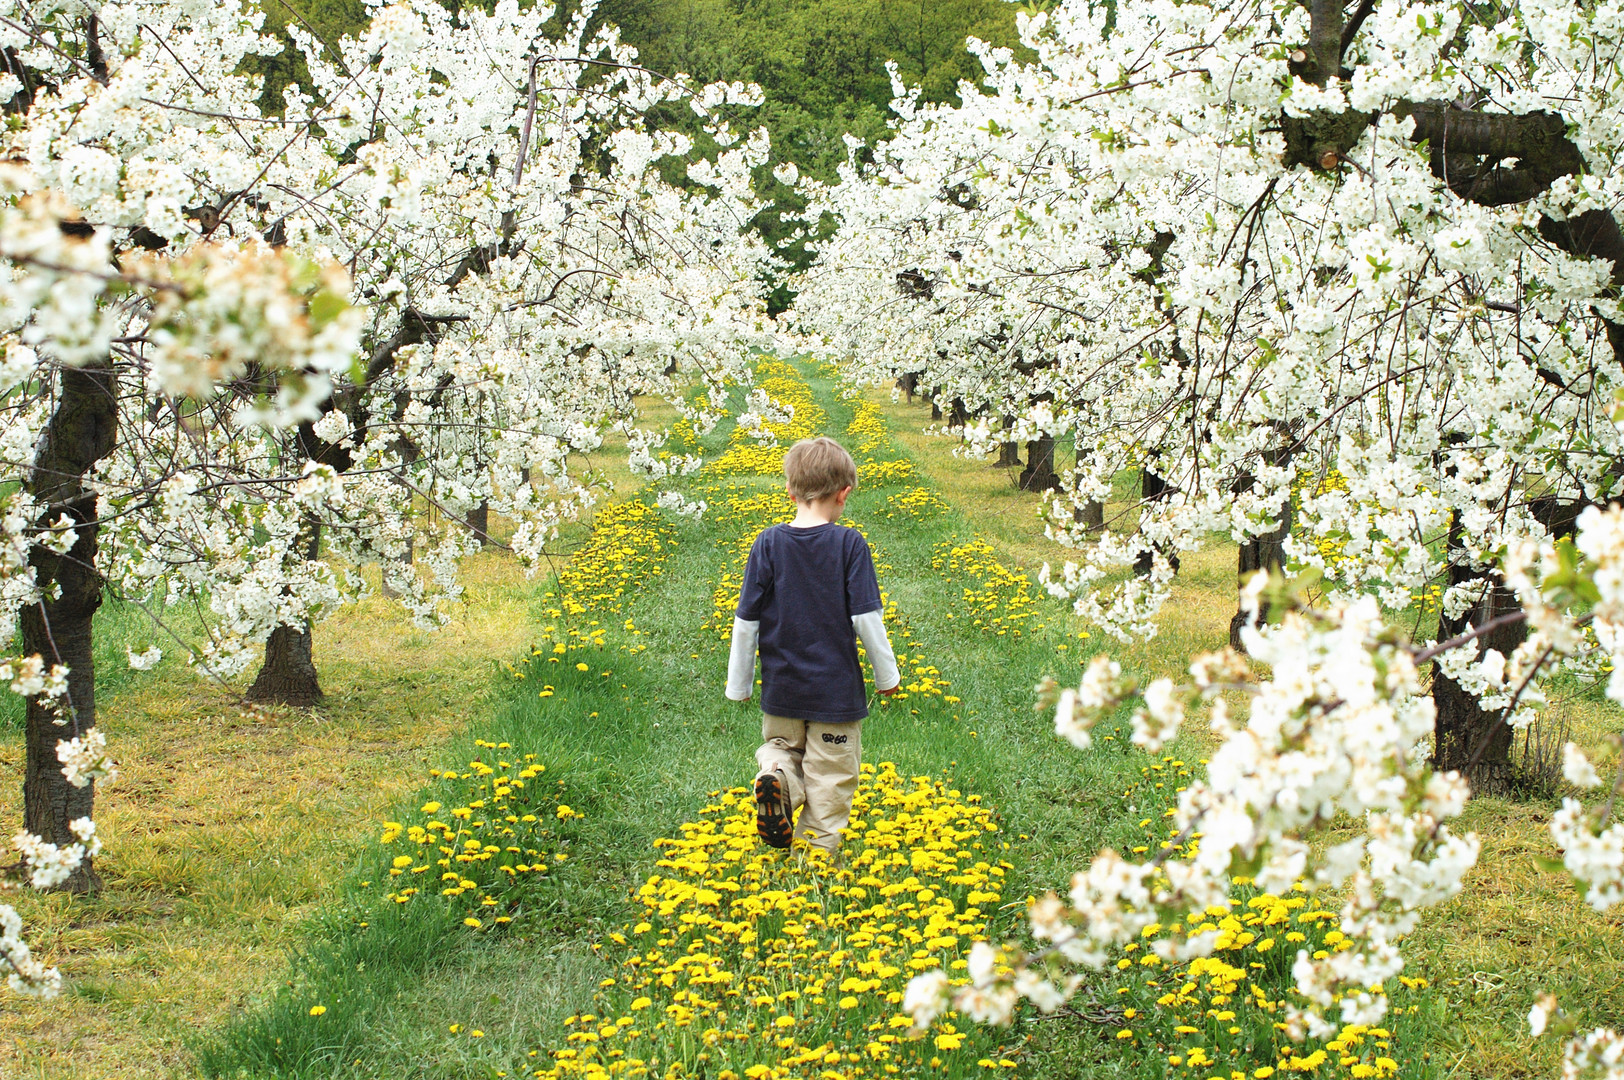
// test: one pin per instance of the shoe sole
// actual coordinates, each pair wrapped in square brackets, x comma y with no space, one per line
[772,825]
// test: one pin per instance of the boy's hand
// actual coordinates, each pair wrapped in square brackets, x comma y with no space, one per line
[888,693]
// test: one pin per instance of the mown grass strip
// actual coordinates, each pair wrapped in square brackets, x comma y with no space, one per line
[627,709]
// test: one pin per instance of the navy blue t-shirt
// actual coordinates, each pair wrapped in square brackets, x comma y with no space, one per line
[804,586]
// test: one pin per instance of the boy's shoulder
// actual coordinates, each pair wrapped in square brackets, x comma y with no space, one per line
[845,536]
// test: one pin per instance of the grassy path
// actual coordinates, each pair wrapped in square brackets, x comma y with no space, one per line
[234,838]
[642,748]
[531,964]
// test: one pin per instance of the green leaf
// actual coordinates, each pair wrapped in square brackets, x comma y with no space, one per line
[326,306]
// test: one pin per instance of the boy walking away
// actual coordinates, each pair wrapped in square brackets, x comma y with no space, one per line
[809,593]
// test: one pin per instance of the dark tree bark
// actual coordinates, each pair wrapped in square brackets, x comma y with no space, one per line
[909,385]
[12,64]
[1467,738]
[958,416]
[1151,488]
[81,432]
[1091,513]
[479,520]
[288,676]
[915,285]
[935,404]
[1039,474]
[1009,454]
[1266,551]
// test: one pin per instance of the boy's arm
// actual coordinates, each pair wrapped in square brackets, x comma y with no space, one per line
[870,628]
[741,660]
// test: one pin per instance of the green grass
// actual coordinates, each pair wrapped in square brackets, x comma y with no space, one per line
[649,743]
[230,827]
[119,625]
[662,738]
[240,843]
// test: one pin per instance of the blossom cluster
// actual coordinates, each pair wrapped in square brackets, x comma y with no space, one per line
[1226,1009]
[1332,733]
[1217,250]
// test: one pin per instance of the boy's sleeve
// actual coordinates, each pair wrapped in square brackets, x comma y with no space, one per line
[741,660]
[756,586]
[864,603]
[870,627]
[862,587]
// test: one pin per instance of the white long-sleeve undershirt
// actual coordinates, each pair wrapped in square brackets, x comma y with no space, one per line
[870,629]
[741,660]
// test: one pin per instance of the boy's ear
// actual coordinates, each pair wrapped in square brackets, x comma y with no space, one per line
[845,492]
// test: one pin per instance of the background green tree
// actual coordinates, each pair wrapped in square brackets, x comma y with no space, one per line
[821,65]
[329,20]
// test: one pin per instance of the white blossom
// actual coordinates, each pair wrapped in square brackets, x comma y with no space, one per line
[146,659]
[1576,768]
[84,759]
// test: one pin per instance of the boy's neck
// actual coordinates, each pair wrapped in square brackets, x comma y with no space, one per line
[809,515]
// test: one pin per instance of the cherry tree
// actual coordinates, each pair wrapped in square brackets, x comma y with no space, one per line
[1339,281]
[245,354]
[531,277]
[1354,325]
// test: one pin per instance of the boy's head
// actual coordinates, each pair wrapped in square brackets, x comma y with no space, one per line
[817,468]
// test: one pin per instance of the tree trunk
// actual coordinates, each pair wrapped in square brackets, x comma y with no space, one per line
[909,385]
[479,520]
[1091,514]
[1009,454]
[958,416]
[1467,738]
[288,676]
[935,404]
[81,432]
[1039,474]
[1266,551]
[1151,488]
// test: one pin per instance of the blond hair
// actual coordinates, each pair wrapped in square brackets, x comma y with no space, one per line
[818,467]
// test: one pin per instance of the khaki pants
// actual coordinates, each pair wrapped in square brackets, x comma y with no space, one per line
[819,765]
